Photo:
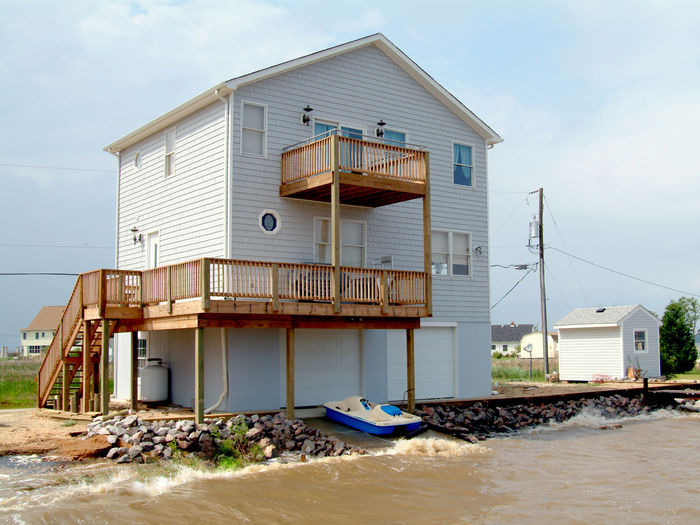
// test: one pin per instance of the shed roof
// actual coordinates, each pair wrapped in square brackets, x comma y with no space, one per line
[378,40]
[606,316]
[510,332]
[47,318]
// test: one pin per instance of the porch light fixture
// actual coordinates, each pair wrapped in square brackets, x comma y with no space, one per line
[137,236]
[306,117]
[380,129]
[477,250]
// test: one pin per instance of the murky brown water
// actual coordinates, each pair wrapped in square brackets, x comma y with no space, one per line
[646,472]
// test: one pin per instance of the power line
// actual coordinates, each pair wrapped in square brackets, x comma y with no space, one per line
[622,273]
[513,288]
[31,166]
[20,245]
[38,273]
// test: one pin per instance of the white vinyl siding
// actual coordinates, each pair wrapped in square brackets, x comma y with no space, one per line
[648,360]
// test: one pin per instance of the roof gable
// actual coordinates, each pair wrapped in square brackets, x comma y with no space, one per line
[604,316]
[378,40]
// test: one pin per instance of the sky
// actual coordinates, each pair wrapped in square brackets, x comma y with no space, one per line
[598,103]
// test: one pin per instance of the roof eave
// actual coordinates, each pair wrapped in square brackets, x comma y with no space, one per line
[599,325]
[169,118]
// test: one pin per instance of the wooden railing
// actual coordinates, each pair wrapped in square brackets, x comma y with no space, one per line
[354,155]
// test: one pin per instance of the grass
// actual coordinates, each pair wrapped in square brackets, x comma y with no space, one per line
[694,374]
[18,382]
[516,369]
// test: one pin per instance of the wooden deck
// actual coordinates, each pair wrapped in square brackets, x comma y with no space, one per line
[370,173]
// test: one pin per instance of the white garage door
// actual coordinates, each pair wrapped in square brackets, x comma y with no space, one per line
[435,363]
[327,366]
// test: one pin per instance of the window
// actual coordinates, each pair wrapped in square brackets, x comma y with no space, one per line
[640,340]
[350,154]
[34,350]
[352,242]
[170,152]
[253,130]
[24,335]
[137,160]
[505,349]
[36,335]
[43,334]
[395,138]
[463,164]
[269,222]
[451,253]
[493,348]
[142,353]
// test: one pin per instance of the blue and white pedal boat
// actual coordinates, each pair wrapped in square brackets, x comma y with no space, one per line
[379,419]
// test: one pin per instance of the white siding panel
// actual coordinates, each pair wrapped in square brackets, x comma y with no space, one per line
[186,208]
[346,89]
[584,353]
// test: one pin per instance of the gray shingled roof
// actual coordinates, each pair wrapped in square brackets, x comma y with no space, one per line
[608,315]
[506,332]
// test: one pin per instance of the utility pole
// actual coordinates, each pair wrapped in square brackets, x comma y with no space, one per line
[543,296]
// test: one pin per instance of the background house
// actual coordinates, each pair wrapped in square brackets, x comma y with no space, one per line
[603,343]
[204,181]
[505,338]
[535,339]
[38,335]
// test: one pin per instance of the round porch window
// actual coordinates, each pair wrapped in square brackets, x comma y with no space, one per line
[269,222]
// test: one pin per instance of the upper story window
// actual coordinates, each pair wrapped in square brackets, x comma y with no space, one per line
[463,164]
[170,152]
[36,335]
[451,253]
[395,138]
[640,340]
[24,335]
[253,130]
[353,242]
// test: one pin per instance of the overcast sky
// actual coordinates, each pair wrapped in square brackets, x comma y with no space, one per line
[598,103]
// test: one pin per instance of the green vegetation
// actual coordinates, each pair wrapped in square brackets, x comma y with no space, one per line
[678,352]
[505,368]
[237,451]
[692,375]
[18,382]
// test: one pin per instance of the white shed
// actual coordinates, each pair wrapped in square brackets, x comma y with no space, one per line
[603,343]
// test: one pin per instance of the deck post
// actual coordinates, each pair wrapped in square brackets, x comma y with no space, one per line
[134,368]
[290,373]
[206,303]
[199,376]
[427,241]
[335,220]
[104,368]
[102,293]
[410,371]
[169,288]
[65,386]
[384,291]
[87,365]
[275,286]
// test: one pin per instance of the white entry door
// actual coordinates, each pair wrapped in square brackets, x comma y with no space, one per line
[153,250]
[434,353]
[327,366]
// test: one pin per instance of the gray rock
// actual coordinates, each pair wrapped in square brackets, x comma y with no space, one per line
[147,445]
[253,432]
[135,438]
[308,446]
[135,451]
[163,431]
[167,453]
[112,439]
[131,420]
[114,451]
[124,459]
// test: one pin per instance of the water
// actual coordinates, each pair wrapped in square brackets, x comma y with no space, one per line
[648,471]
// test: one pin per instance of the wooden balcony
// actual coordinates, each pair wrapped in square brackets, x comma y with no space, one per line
[370,173]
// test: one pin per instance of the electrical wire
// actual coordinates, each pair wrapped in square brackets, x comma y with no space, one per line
[556,283]
[19,245]
[31,166]
[622,273]
[513,288]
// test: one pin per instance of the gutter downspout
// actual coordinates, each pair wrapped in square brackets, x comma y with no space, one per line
[227,162]
[224,362]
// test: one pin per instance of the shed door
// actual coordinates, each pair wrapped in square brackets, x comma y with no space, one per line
[327,366]
[435,363]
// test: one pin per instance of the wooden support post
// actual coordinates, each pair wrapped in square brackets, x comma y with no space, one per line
[104,368]
[102,293]
[384,291]
[65,386]
[140,289]
[335,221]
[427,241]
[290,373]
[74,402]
[410,371]
[205,285]
[134,368]
[87,365]
[275,286]
[169,290]
[199,375]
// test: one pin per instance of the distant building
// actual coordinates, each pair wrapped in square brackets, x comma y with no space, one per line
[38,335]
[505,338]
[535,339]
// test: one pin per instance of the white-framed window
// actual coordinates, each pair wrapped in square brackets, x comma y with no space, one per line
[350,155]
[353,242]
[451,253]
[142,353]
[269,222]
[253,125]
[170,152]
[640,340]
[36,335]
[34,350]
[463,164]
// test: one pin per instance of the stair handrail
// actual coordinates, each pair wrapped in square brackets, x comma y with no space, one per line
[52,360]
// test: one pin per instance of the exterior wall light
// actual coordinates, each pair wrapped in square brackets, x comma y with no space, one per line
[306,117]
[380,129]
[137,236]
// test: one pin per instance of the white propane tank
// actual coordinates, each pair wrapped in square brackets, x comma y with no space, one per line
[154,381]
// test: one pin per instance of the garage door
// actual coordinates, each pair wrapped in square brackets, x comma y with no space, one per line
[434,355]
[327,366]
